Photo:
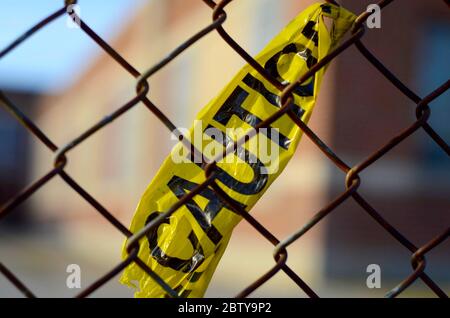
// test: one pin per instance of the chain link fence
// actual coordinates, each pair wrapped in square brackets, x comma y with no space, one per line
[352,180]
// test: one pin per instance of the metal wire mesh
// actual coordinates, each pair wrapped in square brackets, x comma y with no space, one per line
[352,180]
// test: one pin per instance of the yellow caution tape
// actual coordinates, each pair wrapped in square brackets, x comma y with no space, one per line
[185,250]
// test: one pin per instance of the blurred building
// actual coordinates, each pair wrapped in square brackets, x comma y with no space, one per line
[357,112]
[410,187]
[15,158]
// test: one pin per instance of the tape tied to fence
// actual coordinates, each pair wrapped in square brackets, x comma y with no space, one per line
[185,249]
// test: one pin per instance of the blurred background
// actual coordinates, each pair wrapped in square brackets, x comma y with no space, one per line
[66,83]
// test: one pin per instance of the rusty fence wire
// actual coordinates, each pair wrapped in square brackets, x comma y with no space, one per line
[352,179]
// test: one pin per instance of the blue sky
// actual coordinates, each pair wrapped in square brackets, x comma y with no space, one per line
[43,62]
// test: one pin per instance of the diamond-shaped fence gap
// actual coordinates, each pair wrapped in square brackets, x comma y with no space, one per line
[56,236]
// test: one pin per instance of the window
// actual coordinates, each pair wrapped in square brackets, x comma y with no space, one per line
[433,71]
